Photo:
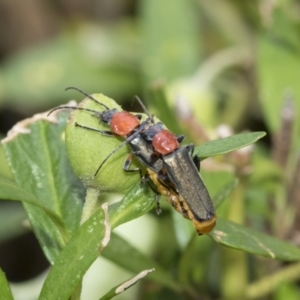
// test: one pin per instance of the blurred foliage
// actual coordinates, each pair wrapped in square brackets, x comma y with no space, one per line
[206,68]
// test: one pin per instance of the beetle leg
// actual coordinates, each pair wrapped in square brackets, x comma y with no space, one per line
[196,160]
[157,200]
[180,138]
[157,194]
[104,132]
[190,147]
[139,116]
[127,163]
[163,179]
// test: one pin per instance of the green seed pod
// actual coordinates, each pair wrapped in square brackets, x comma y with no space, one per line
[87,149]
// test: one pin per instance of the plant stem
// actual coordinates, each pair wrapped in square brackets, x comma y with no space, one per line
[77,292]
[90,204]
[234,273]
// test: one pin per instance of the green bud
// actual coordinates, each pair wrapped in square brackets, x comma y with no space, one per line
[87,149]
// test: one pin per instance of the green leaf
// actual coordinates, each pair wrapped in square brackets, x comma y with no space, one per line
[137,202]
[5,288]
[77,256]
[10,191]
[240,237]
[125,285]
[123,254]
[37,157]
[228,144]
[12,216]
[225,191]
[4,171]
[218,183]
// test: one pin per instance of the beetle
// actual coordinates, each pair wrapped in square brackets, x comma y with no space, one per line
[193,200]
[170,167]
[180,173]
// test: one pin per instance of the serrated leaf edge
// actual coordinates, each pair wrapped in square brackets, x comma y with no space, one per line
[22,126]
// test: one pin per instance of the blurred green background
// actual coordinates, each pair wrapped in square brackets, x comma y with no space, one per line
[223,66]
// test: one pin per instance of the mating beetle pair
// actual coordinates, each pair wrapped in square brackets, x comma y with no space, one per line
[170,167]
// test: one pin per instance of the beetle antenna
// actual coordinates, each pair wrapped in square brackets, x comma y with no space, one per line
[144,108]
[116,149]
[72,107]
[87,95]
